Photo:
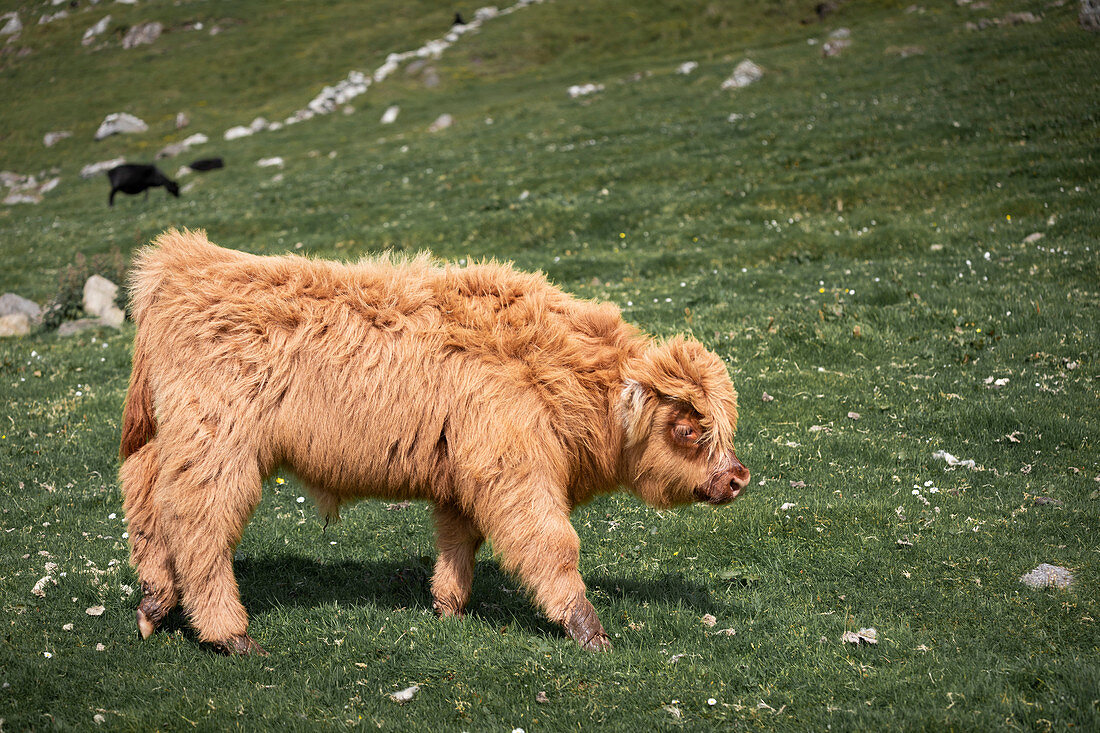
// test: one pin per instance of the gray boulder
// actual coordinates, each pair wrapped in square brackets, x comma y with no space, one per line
[99,300]
[10,304]
[1089,17]
[12,25]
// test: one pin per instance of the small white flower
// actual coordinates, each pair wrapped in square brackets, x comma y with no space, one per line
[916,492]
[300,499]
[711,701]
[47,655]
[112,515]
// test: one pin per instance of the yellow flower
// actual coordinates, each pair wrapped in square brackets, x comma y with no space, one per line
[280,480]
[622,235]
[821,290]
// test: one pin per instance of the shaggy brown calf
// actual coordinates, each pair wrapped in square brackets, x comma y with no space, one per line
[485,390]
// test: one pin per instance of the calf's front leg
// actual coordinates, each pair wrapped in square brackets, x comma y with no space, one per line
[457,540]
[537,543]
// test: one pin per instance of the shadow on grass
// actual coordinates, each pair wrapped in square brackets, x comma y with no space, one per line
[294,580]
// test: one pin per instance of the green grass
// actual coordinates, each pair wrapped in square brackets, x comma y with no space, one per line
[854,243]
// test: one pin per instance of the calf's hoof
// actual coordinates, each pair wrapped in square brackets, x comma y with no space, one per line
[242,645]
[584,626]
[149,615]
[447,610]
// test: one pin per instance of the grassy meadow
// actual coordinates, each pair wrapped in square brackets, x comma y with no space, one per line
[854,235]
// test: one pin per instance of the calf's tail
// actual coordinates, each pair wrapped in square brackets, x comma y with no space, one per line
[138,421]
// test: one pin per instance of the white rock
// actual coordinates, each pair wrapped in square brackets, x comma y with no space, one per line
[744,73]
[486,13]
[1047,576]
[269,162]
[12,26]
[942,455]
[583,90]
[258,125]
[182,120]
[142,34]
[99,295]
[390,115]
[1033,237]
[687,67]
[94,169]
[52,138]
[239,131]
[39,588]
[22,197]
[405,695]
[197,139]
[120,122]
[14,324]
[95,610]
[95,30]
[113,317]
[441,123]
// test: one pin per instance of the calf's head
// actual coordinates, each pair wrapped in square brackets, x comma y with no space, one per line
[679,413]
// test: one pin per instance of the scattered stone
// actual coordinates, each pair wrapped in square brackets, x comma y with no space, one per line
[270,162]
[687,67]
[1042,500]
[708,620]
[833,47]
[94,169]
[12,25]
[583,90]
[182,120]
[99,718]
[950,460]
[390,115]
[744,73]
[798,484]
[441,123]
[1033,238]
[118,123]
[673,711]
[840,34]
[237,132]
[766,398]
[100,647]
[905,51]
[95,610]
[399,506]
[863,636]
[1021,18]
[403,696]
[11,304]
[14,324]
[71,328]
[541,698]
[95,30]
[1047,576]
[53,138]
[67,627]
[1089,17]
[820,429]
[142,34]
[39,588]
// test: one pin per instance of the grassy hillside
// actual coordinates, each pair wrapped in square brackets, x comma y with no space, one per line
[853,234]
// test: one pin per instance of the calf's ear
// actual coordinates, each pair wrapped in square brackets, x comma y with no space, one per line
[638,403]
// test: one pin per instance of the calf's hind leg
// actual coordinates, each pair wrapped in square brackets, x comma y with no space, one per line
[457,540]
[207,500]
[148,551]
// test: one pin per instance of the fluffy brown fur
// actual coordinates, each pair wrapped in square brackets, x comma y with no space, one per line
[488,391]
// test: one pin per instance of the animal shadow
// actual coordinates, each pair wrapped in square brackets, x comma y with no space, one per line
[267,583]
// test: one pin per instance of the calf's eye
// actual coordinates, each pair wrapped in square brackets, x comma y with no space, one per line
[684,433]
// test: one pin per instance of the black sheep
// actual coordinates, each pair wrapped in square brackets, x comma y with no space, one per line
[133,178]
